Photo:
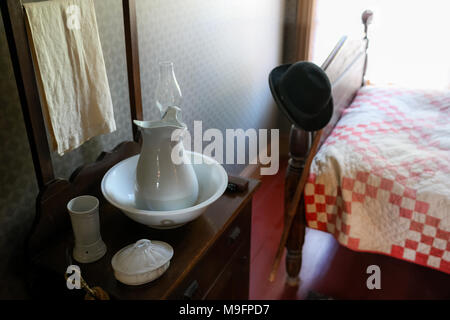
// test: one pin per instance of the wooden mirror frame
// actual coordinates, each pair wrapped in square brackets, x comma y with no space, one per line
[51,217]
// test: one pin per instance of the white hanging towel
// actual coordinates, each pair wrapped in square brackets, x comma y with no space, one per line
[70,71]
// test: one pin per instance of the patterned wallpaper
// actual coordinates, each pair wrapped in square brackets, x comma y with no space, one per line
[223,51]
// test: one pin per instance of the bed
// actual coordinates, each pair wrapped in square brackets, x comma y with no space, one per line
[380,181]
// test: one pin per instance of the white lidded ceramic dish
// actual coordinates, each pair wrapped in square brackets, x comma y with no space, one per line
[141,262]
[118,188]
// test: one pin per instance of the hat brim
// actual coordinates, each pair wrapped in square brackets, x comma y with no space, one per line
[299,118]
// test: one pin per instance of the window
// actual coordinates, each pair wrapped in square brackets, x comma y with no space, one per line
[409,39]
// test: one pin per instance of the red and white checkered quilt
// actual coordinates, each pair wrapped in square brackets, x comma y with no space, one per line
[381,181]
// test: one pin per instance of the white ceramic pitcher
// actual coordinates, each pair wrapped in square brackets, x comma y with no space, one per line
[161,182]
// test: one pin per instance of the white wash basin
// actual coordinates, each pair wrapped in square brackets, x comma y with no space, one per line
[118,187]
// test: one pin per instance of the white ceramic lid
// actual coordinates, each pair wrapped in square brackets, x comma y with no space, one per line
[141,257]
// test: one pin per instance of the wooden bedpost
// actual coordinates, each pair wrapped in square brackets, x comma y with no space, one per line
[366,18]
[299,144]
[345,66]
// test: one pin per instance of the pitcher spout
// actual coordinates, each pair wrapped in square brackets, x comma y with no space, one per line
[171,118]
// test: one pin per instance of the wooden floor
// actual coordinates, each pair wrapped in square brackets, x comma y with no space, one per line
[329,268]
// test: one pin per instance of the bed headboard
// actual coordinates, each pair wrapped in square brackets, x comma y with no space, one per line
[346,66]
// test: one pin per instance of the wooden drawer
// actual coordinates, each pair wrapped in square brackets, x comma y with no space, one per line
[233,282]
[202,277]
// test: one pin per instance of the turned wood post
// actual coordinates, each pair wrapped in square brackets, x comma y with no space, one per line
[299,144]
[366,17]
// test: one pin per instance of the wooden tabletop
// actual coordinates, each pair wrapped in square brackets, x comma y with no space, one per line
[190,242]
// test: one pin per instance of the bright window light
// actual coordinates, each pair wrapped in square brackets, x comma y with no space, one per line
[409,39]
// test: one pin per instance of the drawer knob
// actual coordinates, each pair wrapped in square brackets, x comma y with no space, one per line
[234,234]
[190,291]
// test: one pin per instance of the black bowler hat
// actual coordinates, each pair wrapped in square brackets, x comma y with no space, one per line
[303,92]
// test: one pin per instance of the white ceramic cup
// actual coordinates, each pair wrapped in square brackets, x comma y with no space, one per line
[89,246]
